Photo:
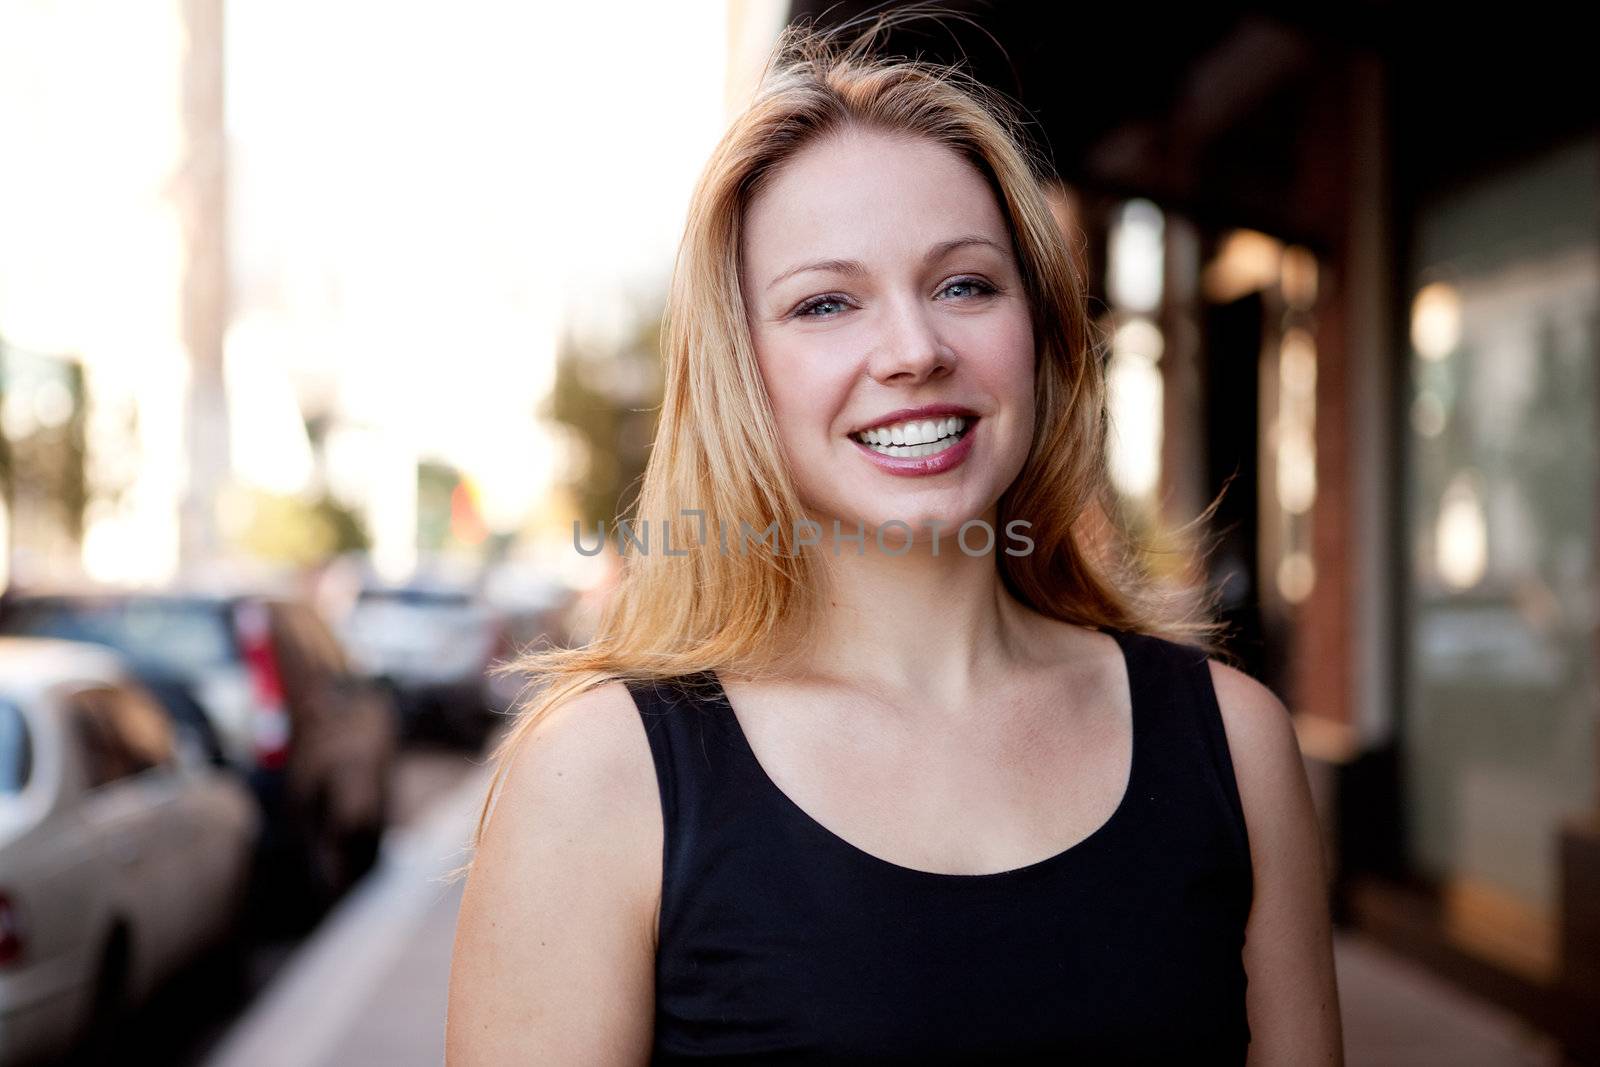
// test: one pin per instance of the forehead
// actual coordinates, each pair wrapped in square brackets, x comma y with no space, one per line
[863,193]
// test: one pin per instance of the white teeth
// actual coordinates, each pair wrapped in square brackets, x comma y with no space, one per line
[913,439]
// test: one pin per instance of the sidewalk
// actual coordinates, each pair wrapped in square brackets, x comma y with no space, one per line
[370,988]
[1398,1014]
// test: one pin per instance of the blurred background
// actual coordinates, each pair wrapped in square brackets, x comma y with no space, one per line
[321,324]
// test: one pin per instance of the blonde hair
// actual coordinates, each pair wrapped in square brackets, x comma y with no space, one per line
[716,448]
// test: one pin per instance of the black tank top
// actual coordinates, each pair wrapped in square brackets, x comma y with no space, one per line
[780,942]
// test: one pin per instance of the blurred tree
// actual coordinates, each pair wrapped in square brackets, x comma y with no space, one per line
[607,393]
[297,530]
[43,450]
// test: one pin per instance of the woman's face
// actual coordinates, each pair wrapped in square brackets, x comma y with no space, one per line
[879,278]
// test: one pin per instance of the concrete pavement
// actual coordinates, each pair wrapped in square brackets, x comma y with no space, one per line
[369,986]
[1398,1014]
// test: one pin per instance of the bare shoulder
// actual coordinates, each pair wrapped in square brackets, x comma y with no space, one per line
[1288,951]
[555,940]
[581,777]
[584,767]
[1261,739]
[588,748]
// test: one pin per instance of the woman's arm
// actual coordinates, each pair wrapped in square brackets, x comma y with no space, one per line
[1288,952]
[555,944]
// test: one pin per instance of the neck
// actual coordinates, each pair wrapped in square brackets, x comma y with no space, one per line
[918,624]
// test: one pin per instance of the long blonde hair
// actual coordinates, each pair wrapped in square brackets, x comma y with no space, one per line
[716,449]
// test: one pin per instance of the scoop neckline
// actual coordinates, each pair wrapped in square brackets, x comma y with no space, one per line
[1118,815]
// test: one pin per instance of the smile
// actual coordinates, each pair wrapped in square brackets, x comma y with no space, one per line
[919,448]
[914,439]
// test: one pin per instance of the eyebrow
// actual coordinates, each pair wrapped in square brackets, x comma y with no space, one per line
[856,268]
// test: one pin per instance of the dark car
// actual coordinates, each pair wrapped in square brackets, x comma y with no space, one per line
[313,738]
[432,647]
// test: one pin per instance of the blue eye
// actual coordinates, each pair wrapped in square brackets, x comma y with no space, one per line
[808,308]
[978,286]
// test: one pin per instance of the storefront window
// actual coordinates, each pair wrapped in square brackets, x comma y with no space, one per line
[1499,711]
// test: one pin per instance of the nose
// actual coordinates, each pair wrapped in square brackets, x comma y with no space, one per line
[909,348]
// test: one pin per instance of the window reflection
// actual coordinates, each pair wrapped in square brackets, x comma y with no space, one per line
[1501,502]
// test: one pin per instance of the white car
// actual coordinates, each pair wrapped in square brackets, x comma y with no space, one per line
[124,852]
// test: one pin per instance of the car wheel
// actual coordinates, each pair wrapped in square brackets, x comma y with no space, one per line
[361,850]
[321,863]
[364,844]
[108,1009]
[227,966]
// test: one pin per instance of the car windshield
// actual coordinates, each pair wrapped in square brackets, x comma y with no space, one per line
[173,636]
[406,630]
[16,750]
[417,598]
[410,608]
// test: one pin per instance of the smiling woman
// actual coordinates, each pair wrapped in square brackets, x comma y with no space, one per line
[813,806]
[928,303]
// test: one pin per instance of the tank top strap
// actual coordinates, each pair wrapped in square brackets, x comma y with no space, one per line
[688,736]
[709,790]
[1183,733]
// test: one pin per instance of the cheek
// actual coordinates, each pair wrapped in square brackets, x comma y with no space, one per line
[778,374]
[805,387]
[1003,351]
[1009,366]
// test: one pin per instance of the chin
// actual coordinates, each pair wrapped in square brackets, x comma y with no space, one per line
[918,516]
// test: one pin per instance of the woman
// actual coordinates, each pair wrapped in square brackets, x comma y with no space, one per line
[921,795]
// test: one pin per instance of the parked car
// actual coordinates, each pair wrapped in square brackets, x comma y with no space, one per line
[533,616]
[315,741]
[125,853]
[187,714]
[432,647]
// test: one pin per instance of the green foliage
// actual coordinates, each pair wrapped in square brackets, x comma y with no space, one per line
[295,530]
[44,468]
[608,395]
